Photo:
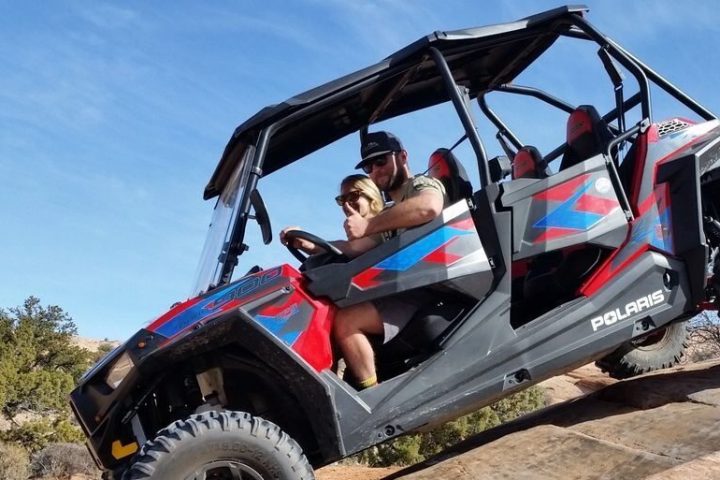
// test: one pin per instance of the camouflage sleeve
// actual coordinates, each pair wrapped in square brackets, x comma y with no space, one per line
[423,182]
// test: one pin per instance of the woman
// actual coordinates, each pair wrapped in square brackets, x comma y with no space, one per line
[360,193]
[357,192]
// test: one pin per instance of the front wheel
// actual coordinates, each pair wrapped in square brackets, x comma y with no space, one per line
[221,446]
[662,349]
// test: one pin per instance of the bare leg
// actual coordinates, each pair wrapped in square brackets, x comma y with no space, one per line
[352,325]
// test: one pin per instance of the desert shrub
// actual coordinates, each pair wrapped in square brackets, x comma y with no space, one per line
[704,337]
[13,462]
[411,449]
[103,349]
[36,434]
[39,364]
[66,431]
[517,405]
[61,460]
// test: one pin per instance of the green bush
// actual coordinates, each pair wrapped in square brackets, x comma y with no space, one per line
[103,349]
[411,449]
[62,460]
[39,365]
[36,434]
[13,462]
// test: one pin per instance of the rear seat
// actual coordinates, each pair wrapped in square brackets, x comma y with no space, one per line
[587,136]
[529,163]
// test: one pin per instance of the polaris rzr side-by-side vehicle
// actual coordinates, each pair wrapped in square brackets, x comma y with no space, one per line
[599,250]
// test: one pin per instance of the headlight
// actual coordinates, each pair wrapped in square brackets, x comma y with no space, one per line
[119,370]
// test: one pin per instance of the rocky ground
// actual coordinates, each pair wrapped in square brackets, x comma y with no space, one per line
[558,389]
[346,472]
[655,427]
[659,426]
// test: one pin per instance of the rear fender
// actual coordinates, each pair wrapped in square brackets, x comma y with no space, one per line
[690,181]
[709,166]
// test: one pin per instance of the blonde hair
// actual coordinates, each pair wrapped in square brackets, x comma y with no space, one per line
[368,188]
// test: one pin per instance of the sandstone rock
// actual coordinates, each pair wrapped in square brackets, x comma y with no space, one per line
[703,468]
[657,427]
[353,472]
[581,381]
[92,344]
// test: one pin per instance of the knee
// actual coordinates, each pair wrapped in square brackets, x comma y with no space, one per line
[361,318]
[343,325]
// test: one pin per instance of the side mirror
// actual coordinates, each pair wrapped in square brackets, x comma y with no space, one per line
[261,216]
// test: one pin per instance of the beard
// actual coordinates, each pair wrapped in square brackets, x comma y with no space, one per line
[397,180]
[394,181]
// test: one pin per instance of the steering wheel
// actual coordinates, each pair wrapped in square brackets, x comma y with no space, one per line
[322,243]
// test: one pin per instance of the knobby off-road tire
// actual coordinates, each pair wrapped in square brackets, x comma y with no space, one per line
[659,350]
[221,445]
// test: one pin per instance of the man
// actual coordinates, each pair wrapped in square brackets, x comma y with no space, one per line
[417,200]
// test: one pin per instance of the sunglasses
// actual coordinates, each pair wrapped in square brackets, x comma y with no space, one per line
[350,197]
[376,162]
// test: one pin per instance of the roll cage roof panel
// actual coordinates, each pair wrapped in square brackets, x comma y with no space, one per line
[476,60]
[479,59]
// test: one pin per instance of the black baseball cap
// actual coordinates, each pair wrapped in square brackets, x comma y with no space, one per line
[378,143]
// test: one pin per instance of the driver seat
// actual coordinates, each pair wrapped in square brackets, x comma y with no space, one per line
[423,334]
[445,167]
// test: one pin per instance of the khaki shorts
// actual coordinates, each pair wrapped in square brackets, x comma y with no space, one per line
[396,311]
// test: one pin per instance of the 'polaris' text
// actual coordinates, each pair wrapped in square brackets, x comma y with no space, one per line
[632,308]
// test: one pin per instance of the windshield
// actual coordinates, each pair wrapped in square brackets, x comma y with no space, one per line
[221,226]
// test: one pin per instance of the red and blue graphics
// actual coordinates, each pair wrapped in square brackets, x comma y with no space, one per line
[450,246]
[650,200]
[302,323]
[652,229]
[572,207]
[654,226]
[289,314]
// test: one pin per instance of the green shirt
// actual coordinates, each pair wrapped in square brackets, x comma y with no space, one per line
[412,188]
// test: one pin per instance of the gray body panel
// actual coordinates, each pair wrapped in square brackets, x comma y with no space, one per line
[544,221]
[447,249]
[478,367]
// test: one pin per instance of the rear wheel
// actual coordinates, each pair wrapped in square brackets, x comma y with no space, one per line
[658,350]
[221,446]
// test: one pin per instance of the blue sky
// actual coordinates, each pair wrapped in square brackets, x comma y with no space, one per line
[113,116]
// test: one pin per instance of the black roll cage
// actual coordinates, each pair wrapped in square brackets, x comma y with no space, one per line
[579,28]
[642,73]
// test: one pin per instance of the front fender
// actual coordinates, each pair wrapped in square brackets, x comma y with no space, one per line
[284,329]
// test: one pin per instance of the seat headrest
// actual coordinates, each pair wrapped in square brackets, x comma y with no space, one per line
[499,168]
[587,135]
[529,163]
[445,167]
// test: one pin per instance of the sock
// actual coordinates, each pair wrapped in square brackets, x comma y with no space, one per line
[369,382]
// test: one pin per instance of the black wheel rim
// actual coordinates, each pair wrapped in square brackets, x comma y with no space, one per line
[225,470]
[653,341]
